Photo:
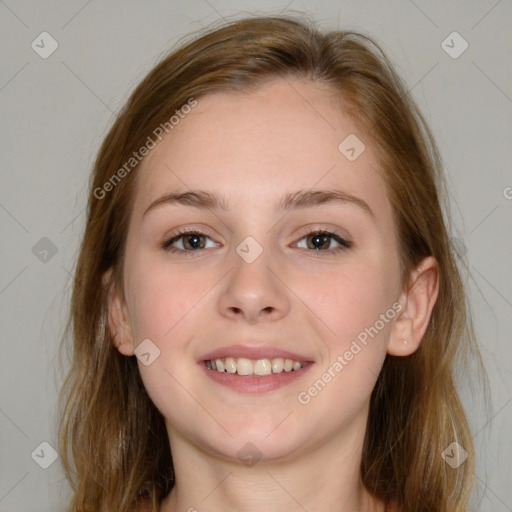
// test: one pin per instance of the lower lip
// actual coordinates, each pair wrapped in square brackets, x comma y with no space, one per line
[250,384]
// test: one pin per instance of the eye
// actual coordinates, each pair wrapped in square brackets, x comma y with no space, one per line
[190,241]
[320,241]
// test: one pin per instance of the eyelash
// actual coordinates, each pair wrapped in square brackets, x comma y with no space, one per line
[344,244]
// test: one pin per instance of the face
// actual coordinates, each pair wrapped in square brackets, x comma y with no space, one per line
[314,282]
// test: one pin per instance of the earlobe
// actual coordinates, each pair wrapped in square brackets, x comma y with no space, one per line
[118,318]
[417,303]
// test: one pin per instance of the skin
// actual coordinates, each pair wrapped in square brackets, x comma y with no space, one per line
[254,148]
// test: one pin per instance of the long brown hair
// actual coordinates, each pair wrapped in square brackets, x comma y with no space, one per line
[113,441]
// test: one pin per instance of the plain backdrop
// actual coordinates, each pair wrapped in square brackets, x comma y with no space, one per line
[56,110]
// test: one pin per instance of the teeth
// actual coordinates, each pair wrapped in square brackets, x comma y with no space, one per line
[244,366]
[259,367]
[263,367]
[277,365]
[230,365]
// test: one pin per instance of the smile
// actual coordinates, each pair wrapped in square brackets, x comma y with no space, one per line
[256,367]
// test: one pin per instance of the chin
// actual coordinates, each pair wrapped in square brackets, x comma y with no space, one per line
[254,444]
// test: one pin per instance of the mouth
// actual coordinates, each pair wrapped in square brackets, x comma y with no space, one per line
[254,367]
[249,369]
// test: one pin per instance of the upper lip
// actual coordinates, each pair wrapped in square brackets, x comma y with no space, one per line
[253,352]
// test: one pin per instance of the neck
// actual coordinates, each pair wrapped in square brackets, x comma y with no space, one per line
[324,478]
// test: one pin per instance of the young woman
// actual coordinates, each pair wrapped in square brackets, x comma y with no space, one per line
[267,311]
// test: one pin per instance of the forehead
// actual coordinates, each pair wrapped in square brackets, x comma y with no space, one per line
[282,137]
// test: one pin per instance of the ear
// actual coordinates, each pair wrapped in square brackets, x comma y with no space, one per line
[418,301]
[118,317]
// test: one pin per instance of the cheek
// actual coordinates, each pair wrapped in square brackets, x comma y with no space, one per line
[350,300]
[352,305]
[161,299]
[166,309]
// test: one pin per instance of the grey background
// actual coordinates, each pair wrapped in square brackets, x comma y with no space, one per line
[55,112]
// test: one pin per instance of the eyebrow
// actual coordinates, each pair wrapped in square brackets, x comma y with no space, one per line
[300,199]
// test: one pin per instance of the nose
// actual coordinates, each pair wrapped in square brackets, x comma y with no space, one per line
[254,291]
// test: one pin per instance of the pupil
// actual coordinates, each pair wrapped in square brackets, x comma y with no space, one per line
[195,241]
[319,238]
